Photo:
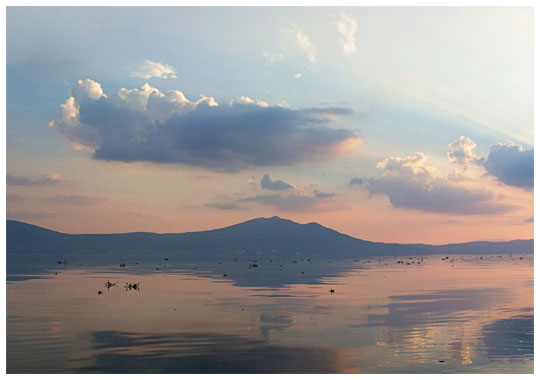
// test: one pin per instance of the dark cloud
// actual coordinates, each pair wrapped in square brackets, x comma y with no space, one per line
[512,165]
[298,200]
[47,179]
[78,199]
[356,181]
[439,197]
[147,125]
[225,206]
[267,183]
[409,183]
[320,194]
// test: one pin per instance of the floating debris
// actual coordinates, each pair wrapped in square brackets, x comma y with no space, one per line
[109,284]
[134,286]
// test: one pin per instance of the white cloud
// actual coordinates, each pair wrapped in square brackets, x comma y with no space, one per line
[347,28]
[248,100]
[303,42]
[460,152]
[272,58]
[149,69]
[298,76]
[87,88]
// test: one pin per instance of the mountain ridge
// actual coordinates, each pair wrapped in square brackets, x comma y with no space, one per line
[259,235]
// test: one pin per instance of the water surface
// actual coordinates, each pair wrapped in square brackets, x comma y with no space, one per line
[464,314]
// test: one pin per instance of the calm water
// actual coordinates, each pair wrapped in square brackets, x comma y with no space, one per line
[463,314]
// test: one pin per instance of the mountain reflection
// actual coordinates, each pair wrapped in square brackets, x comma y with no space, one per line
[121,352]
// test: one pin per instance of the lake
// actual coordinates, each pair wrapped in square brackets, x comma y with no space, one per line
[429,314]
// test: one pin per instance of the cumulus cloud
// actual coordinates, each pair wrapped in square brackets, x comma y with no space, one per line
[84,200]
[303,42]
[267,183]
[347,28]
[460,152]
[165,127]
[46,179]
[510,164]
[410,182]
[147,69]
[224,206]
[248,100]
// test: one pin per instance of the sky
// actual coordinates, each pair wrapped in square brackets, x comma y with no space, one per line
[393,124]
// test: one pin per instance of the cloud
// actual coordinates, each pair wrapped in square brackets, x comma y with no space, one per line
[147,69]
[356,181]
[509,163]
[298,75]
[138,213]
[165,127]
[272,58]
[347,28]
[460,152]
[512,165]
[267,183]
[46,179]
[530,220]
[320,194]
[303,42]
[34,214]
[410,183]
[225,206]
[295,199]
[78,199]
[248,100]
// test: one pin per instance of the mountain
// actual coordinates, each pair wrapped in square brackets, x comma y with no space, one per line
[264,235]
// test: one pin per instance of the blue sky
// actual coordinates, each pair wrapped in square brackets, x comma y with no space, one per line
[312,97]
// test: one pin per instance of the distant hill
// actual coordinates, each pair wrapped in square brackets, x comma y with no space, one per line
[264,235]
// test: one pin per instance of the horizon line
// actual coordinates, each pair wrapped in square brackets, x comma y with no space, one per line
[272,217]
